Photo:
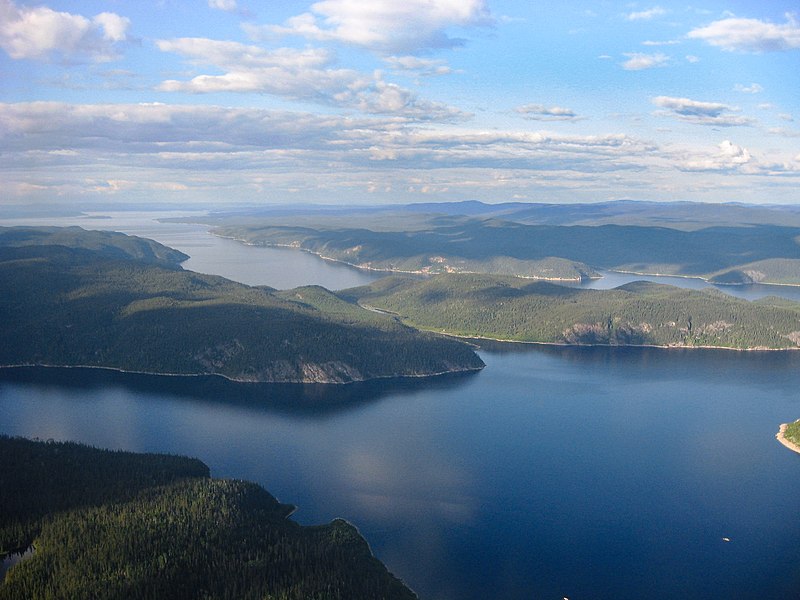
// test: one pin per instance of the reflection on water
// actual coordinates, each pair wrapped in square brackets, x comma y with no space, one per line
[289,399]
[12,559]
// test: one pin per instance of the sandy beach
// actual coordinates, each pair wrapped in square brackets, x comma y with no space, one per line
[782,439]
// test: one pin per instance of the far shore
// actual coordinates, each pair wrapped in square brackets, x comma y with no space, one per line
[781,437]
[363,267]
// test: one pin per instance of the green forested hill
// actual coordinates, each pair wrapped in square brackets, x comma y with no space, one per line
[106,243]
[458,244]
[71,306]
[110,525]
[637,313]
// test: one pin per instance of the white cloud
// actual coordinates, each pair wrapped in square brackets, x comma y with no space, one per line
[729,157]
[539,112]
[753,88]
[421,66]
[646,15]
[115,28]
[41,33]
[297,75]
[691,58]
[386,26]
[701,113]
[750,35]
[637,61]
[226,5]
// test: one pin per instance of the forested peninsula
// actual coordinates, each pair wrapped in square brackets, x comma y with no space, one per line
[732,245]
[109,525]
[70,297]
[639,313]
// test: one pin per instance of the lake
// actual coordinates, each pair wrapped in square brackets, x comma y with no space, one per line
[602,473]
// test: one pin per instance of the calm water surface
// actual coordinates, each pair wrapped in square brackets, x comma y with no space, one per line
[594,473]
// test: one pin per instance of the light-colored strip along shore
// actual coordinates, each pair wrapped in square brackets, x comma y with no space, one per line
[782,439]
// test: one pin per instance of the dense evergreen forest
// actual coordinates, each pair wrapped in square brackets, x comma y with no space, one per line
[638,313]
[122,525]
[78,304]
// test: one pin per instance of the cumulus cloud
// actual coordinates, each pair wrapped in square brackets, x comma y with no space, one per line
[646,15]
[40,33]
[701,113]
[638,61]
[385,26]
[750,35]
[298,75]
[540,112]
[728,157]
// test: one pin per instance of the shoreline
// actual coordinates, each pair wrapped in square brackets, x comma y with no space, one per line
[556,279]
[362,267]
[781,437]
[568,345]
[701,278]
[245,381]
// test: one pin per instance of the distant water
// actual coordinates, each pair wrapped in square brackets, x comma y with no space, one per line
[281,268]
[612,279]
[284,268]
[587,473]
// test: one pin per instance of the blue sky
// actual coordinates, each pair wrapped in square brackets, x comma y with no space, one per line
[344,101]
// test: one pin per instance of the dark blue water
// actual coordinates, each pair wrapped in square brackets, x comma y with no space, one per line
[599,473]
[585,473]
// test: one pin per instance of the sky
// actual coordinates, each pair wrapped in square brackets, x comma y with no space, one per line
[222,102]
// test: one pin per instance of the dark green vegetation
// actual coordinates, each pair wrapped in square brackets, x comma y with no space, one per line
[792,433]
[108,243]
[122,525]
[77,305]
[544,241]
[638,313]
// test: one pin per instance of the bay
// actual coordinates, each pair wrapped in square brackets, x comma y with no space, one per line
[555,472]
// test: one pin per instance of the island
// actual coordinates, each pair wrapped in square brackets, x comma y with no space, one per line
[70,297]
[110,524]
[789,435]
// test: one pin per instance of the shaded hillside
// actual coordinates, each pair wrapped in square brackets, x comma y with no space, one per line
[72,306]
[109,534]
[638,313]
[108,243]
